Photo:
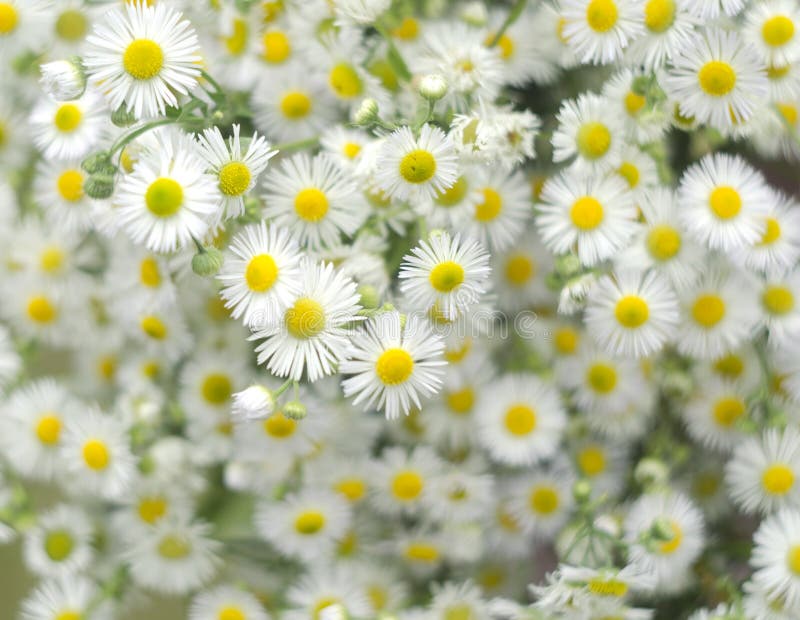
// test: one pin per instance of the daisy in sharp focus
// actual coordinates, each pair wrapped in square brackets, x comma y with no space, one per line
[587,131]
[237,173]
[717,78]
[599,30]
[169,198]
[261,277]
[68,129]
[724,202]
[632,313]
[141,56]
[595,216]
[446,274]
[311,335]
[410,167]
[393,365]
[314,199]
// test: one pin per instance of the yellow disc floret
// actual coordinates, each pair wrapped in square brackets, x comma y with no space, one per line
[311,204]
[716,78]
[261,273]
[143,59]
[305,319]
[586,213]
[520,420]
[164,197]
[234,178]
[418,166]
[632,311]
[602,15]
[446,276]
[394,366]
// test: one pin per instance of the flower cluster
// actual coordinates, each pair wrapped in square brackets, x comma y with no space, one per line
[401,309]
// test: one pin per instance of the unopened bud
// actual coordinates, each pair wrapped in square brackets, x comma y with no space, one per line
[207,262]
[63,80]
[369,296]
[253,403]
[367,112]
[432,87]
[98,163]
[295,410]
[651,473]
[123,117]
[99,186]
[475,14]
[582,491]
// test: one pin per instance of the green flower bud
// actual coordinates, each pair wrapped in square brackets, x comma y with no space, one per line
[369,296]
[207,262]
[295,410]
[99,186]
[123,117]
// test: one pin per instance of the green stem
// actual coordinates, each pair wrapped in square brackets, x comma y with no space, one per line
[126,139]
[513,16]
[207,77]
[286,385]
[299,144]
[393,56]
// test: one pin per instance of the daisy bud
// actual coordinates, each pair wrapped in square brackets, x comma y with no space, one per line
[123,117]
[99,186]
[651,473]
[475,14]
[433,87]
[295,410]
[582,491]
[63,80]
[366,113]
[98,163]
[568,265]
[207,262]
[253,403]
[369,296]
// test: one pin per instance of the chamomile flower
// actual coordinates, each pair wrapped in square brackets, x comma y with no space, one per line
[237,174]
[60,542]
[599,30]
[169,198]
[632,313]
[764,473]
[595,216]
[520,420]
[305,525]
[776,559]
[315,199]
[68,129]
[724,202]
[587,132]
[410,167]
[392,365]
[142,56]
[780,302]
[261,277]
[226,603]
[310,336]
[717,78]
[448,274]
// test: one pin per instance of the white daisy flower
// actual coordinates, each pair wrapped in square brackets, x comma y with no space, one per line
[711,9]
[776,559]
[68,129]
[780,302]
[632,313]
[414,168]
[226,602]
[520,273]
[779,247]
[523,54]
[724,202]
[714,414]
[320,590]
[717,78]
[315,199]
[642,122]
[19,22]
[521,420]
[764,473]
[306,525]
[346,145]
[168,199]
[311,334]
[451,599]
[761,603]
[599,30]
[541,502]
[60,544]
[393,365]
[149,502]
[668,26]
[771,27]
[595,216]
[402,481]
[142,56]
[69,597]
[10,361]
[237,174]
[59,185]
[587,132]
[208,382]
[445,274]
[262,273]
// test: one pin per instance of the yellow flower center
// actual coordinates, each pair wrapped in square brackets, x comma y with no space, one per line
[70,185]
[671,546]
[351,150]
[154,327]
[143,59]
[708,310]
[777,479]
[322,605]
[418,166]
[309,522]
[793,559]
[277,47]
[231,613]
[772,232]
[728,410]
[71,25]
[593,140]
[234,178]
[454,194]
[422,552]
[789,113]
[394,366]
[725,202]
[602,15]
[663,242]
[164,197]
[67,117]
[608,587]
[51,260]
[407,30]
[149,273]
[565,340]
[459,611]
[659,15]
[778,300]
[461,401]
[217,388]
[446,276]
[592,460]
[69,615]
[58,545]
[716,78]
[279,426]
[632,311]
[352,488]
[519,269]
[344,81]
[491,206]
[586,213]
[634,103]
[305,319]
[311,204]
[407,485]
[261,273]
[505,44]
[173,547]
[777,72]
[236,43]
[96,454]
[777,30]
[630,173]
[48,429]
[151,509]
[602,378]
[295,105]
[730,366]
[41,310]
[8,18]
[544,500]
[520,420]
